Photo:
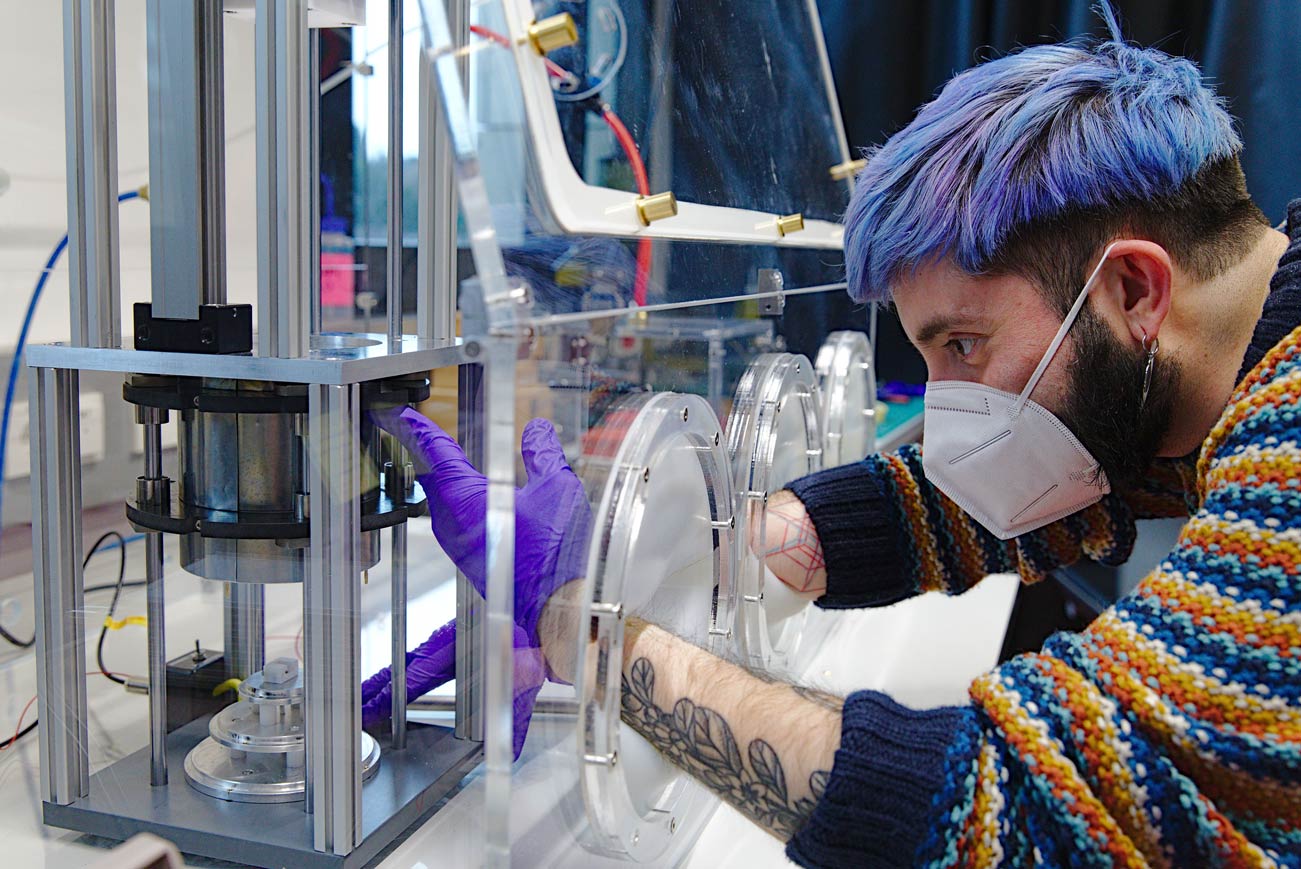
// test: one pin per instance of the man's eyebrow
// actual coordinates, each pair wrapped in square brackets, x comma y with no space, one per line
[934,327]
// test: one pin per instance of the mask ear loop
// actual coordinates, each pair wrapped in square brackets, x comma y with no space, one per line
[1061,335]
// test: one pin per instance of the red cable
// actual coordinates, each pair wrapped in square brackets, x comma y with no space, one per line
[19,728]
[630,150]
[556,70]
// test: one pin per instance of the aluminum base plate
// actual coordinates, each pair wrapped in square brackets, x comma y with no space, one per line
[408,786]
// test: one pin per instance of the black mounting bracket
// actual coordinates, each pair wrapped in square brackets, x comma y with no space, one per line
[220,329]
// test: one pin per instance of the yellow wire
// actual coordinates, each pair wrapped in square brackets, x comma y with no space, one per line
[118,624]
[228,685]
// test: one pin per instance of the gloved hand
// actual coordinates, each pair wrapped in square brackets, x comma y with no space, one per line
[433,663]
[552,523]
[552,516]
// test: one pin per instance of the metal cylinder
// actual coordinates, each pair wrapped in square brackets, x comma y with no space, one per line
[250,468]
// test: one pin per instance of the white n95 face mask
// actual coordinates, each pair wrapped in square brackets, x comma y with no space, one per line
[1005,460]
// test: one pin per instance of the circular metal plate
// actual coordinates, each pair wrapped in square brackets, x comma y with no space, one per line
[662,548]
[848,382]
[257,778]
[774,436]
[240,726]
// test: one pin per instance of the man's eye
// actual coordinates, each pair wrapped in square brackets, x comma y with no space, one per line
[962,346]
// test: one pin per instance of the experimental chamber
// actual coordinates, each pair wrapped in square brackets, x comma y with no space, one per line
[648,200]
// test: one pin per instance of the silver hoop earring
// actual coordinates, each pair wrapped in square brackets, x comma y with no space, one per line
[1148,363]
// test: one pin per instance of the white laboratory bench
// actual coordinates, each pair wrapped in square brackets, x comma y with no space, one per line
[923,652]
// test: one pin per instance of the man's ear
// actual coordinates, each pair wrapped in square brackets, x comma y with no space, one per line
[1134,286]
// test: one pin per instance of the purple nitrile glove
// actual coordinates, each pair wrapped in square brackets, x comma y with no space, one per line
[433,663]
[552,516]
[552,523]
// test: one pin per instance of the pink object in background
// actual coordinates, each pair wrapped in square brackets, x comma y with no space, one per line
[338,265]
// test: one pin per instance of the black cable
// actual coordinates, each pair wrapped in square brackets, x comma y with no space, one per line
[112,607]
[27,644]
[99,648]
[17,736]
[14,641]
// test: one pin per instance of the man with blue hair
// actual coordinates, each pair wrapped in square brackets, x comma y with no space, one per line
[1111,331]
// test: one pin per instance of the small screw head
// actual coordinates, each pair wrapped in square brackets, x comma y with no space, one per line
[685,411]
[673,825]
[645,475]
[717,437]
[472,349]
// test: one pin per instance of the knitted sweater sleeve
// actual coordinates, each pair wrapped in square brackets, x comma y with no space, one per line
[887,534]
[1165,734]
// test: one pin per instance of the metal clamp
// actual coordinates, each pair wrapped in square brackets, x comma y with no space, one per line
[553,33]
[656,207]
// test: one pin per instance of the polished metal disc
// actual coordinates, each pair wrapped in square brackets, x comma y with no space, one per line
[241,726]
[213,769]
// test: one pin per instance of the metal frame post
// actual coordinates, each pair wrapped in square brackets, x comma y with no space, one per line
[60,606]
[314,175]
[393,274]
[90,118]
[284,192]
[436,248]
[470,638]
[332,631]
[187,166]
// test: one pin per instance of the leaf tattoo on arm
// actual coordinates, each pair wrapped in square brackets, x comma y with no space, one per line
[701,741]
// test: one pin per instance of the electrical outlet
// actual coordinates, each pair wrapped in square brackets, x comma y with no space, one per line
[18,455]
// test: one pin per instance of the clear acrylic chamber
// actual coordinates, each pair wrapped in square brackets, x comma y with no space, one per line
[649,194]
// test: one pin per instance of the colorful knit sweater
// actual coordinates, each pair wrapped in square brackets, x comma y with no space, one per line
[1168,733]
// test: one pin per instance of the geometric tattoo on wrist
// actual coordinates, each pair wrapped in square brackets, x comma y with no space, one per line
[700,741]
[794,542]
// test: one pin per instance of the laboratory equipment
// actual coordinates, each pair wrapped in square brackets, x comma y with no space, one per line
[590,303]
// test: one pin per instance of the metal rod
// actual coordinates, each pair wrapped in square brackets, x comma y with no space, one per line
[398,578]
[157,659]
[90,120]
[284,191]
[447,703]
[244,628]
[394,272]
[155,625]
[56,568]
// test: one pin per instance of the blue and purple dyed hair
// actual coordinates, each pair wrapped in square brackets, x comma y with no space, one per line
[1028,140]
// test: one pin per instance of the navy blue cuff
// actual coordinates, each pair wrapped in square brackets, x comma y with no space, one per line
[856,525]
[876,809]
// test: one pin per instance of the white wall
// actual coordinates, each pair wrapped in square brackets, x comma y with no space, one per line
[33,211]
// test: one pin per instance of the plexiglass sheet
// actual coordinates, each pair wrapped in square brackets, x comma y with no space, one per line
[774,436]
[847,375]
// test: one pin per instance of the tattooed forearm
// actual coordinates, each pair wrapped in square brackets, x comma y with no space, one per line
[790,545]
[701,741]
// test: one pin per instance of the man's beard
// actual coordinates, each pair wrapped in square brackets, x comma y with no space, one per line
[1104,402]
